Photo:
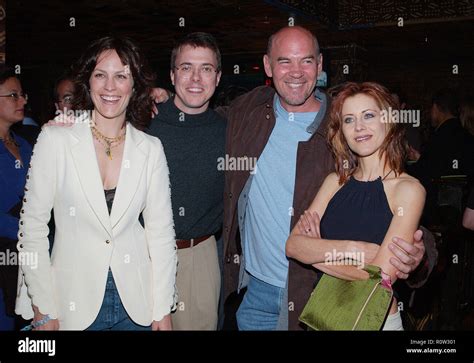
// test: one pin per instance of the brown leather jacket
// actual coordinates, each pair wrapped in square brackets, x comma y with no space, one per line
[251,120]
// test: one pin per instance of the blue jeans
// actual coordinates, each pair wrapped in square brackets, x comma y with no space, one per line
[260,307]
[112,314]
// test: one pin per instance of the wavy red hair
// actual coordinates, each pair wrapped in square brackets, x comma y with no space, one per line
[394,146]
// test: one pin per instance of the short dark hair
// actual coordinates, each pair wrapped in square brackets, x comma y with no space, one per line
[140,105]
[67,76]
[447,101]
[6,73]
[197,39]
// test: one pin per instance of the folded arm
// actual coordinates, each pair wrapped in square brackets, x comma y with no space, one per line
[397,259]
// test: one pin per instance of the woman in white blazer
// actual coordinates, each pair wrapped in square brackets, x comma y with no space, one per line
[106,271]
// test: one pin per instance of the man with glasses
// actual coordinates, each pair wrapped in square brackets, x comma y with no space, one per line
[193,137]
[284,128]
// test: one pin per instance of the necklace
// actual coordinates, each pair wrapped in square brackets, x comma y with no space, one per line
[9,141]
[107,142]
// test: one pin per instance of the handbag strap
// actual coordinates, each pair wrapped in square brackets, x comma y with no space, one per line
[364,306]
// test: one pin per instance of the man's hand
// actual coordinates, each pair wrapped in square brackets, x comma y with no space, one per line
[163,324]
[408,256]
[159,95]
[52,324]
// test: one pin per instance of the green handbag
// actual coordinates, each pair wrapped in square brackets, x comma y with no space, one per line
[337,304]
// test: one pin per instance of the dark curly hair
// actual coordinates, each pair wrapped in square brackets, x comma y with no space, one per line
[394,147]
[140,105]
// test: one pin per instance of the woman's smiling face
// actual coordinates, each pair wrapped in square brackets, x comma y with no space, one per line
[362,124]
[111,85]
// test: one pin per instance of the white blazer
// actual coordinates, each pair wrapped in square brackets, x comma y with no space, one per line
[70,286]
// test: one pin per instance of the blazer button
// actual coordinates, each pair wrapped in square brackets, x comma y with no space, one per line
[230,195]
[107,241]
[267,116]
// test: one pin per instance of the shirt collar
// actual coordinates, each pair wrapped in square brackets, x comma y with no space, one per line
[321,97]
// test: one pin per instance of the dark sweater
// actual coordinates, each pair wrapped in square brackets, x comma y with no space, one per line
[193,144]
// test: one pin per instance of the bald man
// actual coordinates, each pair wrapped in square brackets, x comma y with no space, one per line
[284,128]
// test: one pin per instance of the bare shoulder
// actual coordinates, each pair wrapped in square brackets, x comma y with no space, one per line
[406,182]
[329,187]
[408,189]
[331,183]
[327,190]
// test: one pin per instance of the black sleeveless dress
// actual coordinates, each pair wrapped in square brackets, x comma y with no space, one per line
[359,211]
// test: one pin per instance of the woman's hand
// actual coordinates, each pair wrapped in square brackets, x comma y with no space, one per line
[163,324]
[61,120]
[308,224]
[52,324]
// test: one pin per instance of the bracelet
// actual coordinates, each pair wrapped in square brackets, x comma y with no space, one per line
[386,281]
[37,323]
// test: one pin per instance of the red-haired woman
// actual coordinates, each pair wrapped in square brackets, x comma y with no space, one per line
[369,198]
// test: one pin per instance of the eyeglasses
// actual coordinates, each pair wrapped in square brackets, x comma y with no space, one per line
[205,70]
[66,100]
[16,96]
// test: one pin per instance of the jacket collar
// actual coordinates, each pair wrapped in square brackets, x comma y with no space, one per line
[319,125]
[85,161]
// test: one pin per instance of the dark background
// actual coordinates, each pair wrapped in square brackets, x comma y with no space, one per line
[415,59]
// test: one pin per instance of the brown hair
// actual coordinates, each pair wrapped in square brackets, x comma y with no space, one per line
[140,105]
[197,39]
[394,146]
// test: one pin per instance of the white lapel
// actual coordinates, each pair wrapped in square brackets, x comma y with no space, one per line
[133,164]
[85,161]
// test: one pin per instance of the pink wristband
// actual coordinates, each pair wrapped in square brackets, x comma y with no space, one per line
[386,282]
